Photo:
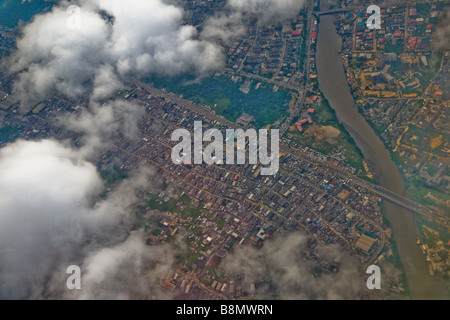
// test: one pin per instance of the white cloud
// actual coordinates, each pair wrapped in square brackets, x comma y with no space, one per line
[120,38]
[267,11]
[228,25]
[441,36]
[116,38]
[100,125]
[51,217]
[283,269]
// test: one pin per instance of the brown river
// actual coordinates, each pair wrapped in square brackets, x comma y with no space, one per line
[333,84]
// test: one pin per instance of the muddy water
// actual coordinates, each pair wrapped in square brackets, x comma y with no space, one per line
[333,84]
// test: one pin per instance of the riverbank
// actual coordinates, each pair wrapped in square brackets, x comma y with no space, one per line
[333,84]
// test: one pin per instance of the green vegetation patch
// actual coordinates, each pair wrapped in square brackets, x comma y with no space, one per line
[8,134]
[424,194]
[329,137]
[155,203]
[226,98]
[425,139]
[112,174]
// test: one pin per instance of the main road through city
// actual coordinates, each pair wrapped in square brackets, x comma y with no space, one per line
[376,189]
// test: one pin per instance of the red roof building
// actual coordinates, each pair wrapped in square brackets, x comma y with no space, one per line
[398,33]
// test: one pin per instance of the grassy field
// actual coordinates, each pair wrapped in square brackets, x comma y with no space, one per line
[421,223]
[425,139]
[154,202]
[423,194]
[417,189]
